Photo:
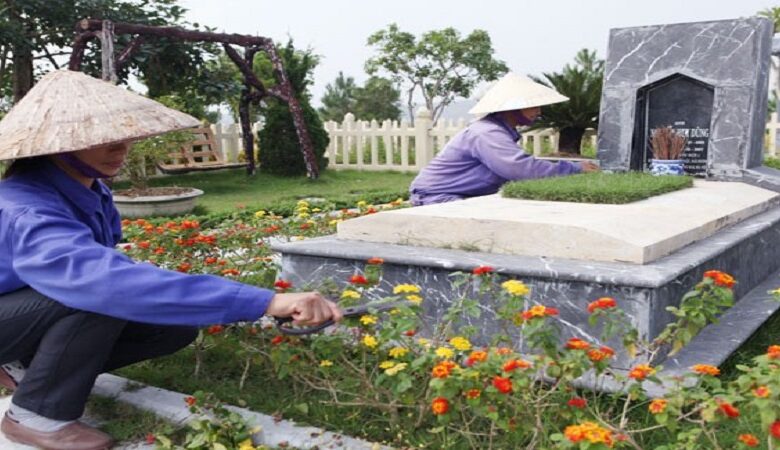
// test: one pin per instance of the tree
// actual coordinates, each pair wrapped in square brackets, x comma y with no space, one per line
[582,84]
[378,100]
[279,148]
[772,14]
[339,98]
[441,64]
[34,31]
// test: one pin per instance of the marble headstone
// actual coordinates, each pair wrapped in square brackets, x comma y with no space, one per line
[707,80]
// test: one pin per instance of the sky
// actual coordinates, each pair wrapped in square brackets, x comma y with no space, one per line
[530,36]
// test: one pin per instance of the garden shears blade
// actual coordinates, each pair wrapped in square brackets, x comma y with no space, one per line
[352,311]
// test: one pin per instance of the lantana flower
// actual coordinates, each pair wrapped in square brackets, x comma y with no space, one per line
[539,311]
[326,363]
[602,303]
[392,371]
[706,369]
[513,364]
[443,369]
[657,406]
[577,402]
[515,287]
[370,341]
[482,270]
[774,429]
[472,394]
[601,353]
[773,352]
[503,385]
[414,298]
[762,392]
[398,352]
[577,344]
[368,319]
[721,279]
[358,279]
[475,357]
[444,352]
[406,289]
[588,431]
[728,409]
[749,440]
[641,371]
[440,405]
[460,343]
[349,293]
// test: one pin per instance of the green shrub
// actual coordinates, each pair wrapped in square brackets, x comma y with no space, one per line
[772,162]
[596,187]
[280,152]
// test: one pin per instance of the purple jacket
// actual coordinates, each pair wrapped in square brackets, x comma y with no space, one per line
[477,161]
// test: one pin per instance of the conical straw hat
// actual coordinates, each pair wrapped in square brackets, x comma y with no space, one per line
[67,111]
[515,92]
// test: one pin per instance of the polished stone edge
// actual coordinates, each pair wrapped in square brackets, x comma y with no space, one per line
[276,433]
[652,275]
[158,198]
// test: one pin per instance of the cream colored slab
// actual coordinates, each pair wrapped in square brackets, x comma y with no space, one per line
[638,232]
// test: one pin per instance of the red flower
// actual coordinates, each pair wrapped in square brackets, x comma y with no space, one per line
[144,244]
[443,369]
[504,385]
[577,402]
[184,267]
[370,211]
[375,261]
[190,401]
[440,405]
[600,353]
[215,329]
[749,440]
[305,226]
[150,438]
[774,429]
[728,409]
[277,340]
[475,357]
[640,372]
[602,303]
[482,270]
[773,352]
[472,394]
[210,260]
[410,333]
[720,278]
[233,272]
[282,284]
[358,279]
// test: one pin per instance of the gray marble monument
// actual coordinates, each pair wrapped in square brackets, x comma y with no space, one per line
[707,80]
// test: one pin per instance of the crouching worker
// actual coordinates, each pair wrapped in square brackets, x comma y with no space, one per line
[485,155]
[71,306]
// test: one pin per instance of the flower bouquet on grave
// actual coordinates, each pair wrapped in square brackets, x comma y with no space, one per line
[667,146]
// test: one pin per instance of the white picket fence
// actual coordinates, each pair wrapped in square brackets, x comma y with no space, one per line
[399,146]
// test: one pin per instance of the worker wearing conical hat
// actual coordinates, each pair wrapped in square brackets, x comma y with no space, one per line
[485,155]
[71,306]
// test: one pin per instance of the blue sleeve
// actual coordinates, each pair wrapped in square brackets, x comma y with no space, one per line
[57,256]
[496,150]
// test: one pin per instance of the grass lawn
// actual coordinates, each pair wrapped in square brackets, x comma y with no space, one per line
[227,190]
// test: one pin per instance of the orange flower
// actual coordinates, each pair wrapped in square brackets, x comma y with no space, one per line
[144,244]
[728,409]
[482,270]
[375,261]
[190,401]
[358,279]
[577,402]
[233,272]
[473,394]
[590,432]
[513,364]
[577,344]
[539,311]
[210,260]
[277,340]
[640,372]
[720,278]
[657,406]
[749,440]
[440,405]
[504,385]
[503,351]
[282,285]
[706,369]
[475,357]
[774,429]
[602,303]
[443,369]
[773,352]
[184,267]
[762,392]
[600,353]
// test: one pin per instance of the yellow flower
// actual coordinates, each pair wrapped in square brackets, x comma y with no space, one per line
[362,204]
[395,369]
[246,445]
[368,320]
[414,298]
[398,352]
[775,291]
[424,342]
[406,289]
[259,214]
[335,222]
[348,293]
[316,210]
[303,215]
[370,341]
[386,364]
[303,204]
[515,287]
[460,343]
[444,352]
[326,363]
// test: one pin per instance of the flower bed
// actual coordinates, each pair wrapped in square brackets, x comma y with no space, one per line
[391,377]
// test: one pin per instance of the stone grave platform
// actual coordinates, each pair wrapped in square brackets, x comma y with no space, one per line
[569,254]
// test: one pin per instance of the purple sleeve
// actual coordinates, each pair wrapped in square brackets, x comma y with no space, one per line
[496,150]
[58,257]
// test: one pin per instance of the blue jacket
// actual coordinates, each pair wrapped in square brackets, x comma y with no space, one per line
[58,237]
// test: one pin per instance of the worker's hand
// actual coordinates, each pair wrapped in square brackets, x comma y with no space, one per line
[306,308]
[588,166]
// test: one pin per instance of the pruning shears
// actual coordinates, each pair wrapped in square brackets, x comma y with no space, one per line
[283,323]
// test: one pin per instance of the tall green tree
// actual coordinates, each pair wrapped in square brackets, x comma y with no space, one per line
[339,98]
[440,65]
[378,99]
[581,82]
[36,35]
[280,151]
[772,14]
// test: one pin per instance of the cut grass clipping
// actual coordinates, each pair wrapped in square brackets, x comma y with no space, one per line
[612,188]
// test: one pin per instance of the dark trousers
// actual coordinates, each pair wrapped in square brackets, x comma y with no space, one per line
[65,349]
